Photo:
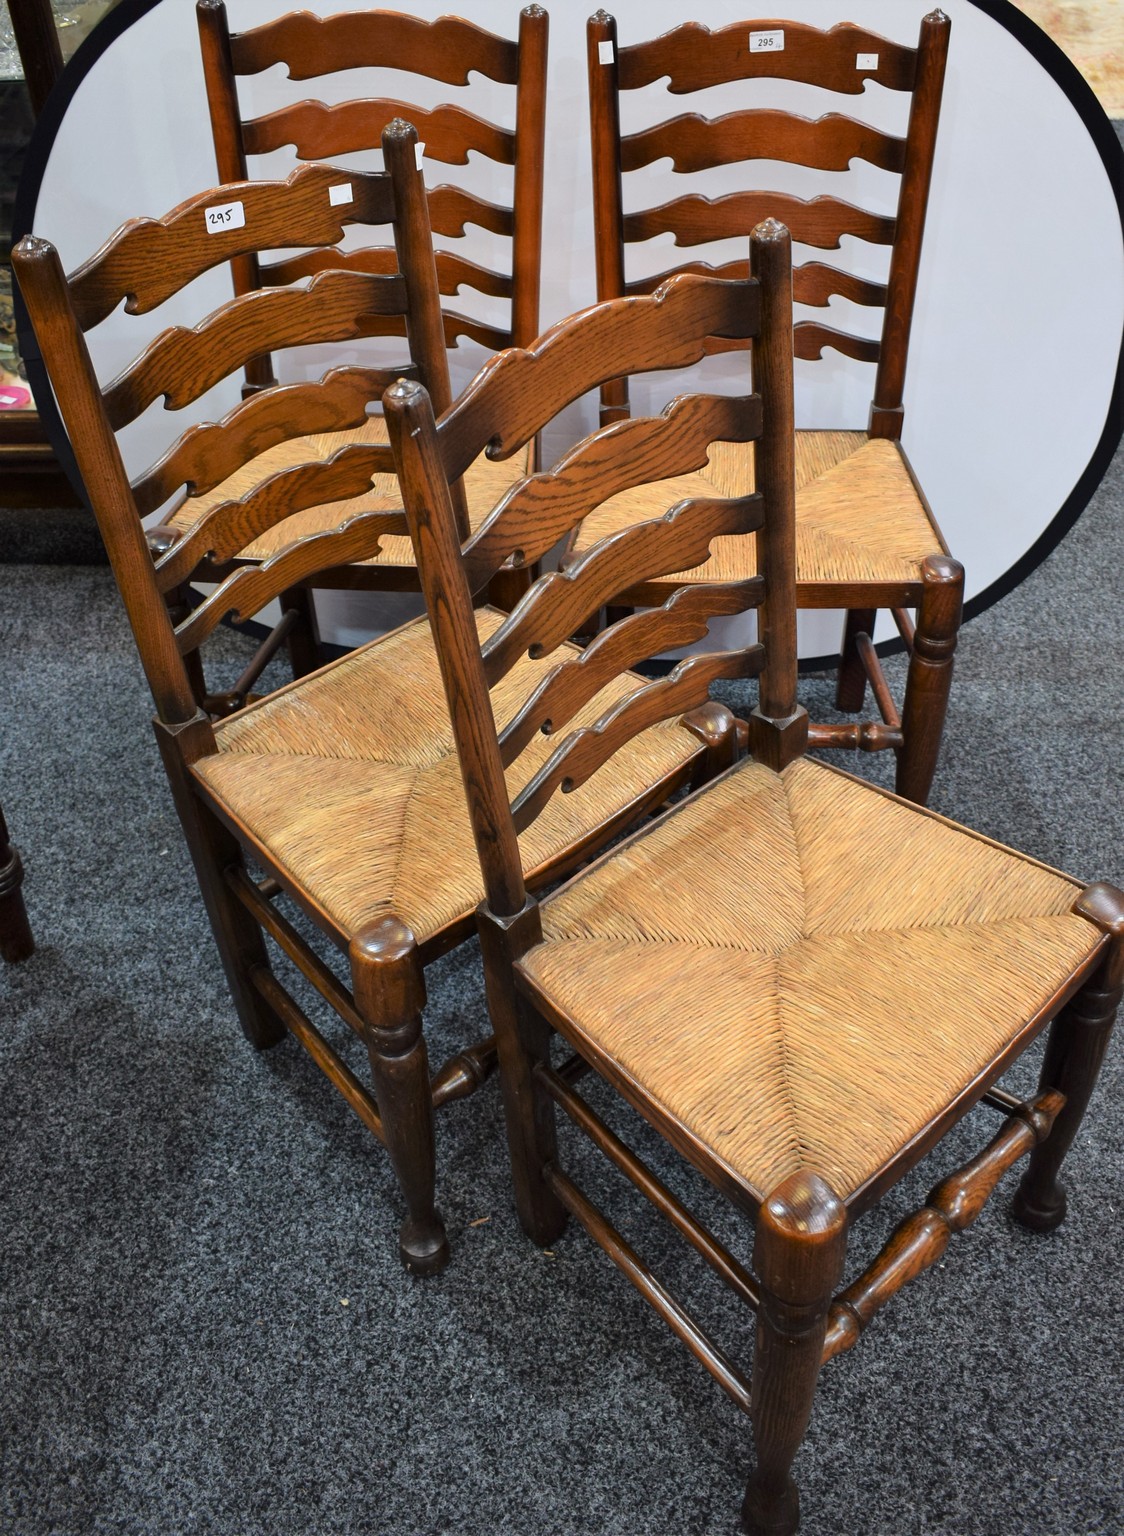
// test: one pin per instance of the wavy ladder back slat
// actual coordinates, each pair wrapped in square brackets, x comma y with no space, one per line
[692,58]
[149,260]
[449,50]
[510,400]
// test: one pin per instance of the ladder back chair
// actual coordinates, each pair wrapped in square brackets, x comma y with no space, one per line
[738,970]
[866,537]
[343,787]
[448,50]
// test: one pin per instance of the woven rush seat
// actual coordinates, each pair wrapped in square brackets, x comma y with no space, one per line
[769,965]
[348,780]
[858,515]
[485,482]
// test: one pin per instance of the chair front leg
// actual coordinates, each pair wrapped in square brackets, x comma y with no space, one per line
[303,643]
[930,676]
[798,1255]
[1074,1052]
[16,942]
[523,1041]
[389,989]
[850,684]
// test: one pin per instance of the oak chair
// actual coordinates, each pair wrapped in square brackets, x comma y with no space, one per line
[343,787]
[738,970]
[866,537]
[16,942]
[448,50]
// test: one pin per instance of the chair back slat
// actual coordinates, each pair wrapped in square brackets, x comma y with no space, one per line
[843,59]
[207,454]
[148,260]
[224,530]
[828,143]
[318,131]
[587,749]
[682,620]
[813,283]
[694,58]
[452,270]
[448,49]
[539,511]
[588,699]
[182,364]
[664,330]
[810,338]
[558,604]
[822,221]
[250,588]
[240,481]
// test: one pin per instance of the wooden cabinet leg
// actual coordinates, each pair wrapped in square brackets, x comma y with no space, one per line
[930,676]
[16,942]
[213,850]
[523,1040]
[850,685]
[1074,1052]
[798,1255]
[389,988]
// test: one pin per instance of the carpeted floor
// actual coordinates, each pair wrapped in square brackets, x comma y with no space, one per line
[205,1327]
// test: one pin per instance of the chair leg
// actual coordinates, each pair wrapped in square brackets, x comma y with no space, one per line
[850,685]
[798,1255]
[930,676]
[303,643]
[16,942]
[389,989]
[240,941]
[1075,1050]
[523,1040]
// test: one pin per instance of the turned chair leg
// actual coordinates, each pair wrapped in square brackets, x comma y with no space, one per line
[930,676]
[16,942]
[850,684]
[523,1041]
[1075,1050]
[798,1256]
[389,988]
[214,850]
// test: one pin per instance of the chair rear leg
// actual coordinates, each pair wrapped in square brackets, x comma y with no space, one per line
[930,676]
[389,988]
[1074,1052]
[303,642]
[850,685]
[213,850]
[522,1040]
[798,1256]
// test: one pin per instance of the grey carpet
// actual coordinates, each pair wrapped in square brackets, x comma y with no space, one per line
[205,1327]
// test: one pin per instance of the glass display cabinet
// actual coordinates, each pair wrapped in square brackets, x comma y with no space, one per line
[36,39]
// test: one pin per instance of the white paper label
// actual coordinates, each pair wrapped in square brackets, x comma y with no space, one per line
[605,53]
[419,153]
[10,399]
[225,216]
[766,42]
[866,61]
[340,193]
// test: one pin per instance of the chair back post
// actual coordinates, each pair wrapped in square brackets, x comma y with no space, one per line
[608,195]
[778,729]
[47,295]
[230,156]
[913,200]
[530,135]
[410,423]
[413,240]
